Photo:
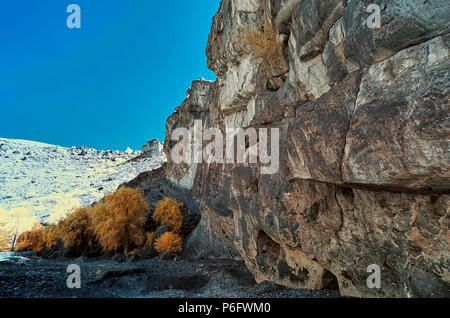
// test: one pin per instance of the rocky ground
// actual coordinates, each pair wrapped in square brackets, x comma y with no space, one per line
[152,278]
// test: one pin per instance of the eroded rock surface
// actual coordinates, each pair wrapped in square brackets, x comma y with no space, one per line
[364,147]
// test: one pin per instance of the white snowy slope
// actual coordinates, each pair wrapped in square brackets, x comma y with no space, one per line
[44,178]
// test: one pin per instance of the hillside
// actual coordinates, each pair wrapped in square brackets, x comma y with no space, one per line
[44,178]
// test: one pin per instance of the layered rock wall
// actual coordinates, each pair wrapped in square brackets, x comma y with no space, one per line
[364,121]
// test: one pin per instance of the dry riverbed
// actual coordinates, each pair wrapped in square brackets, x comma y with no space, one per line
[154,278]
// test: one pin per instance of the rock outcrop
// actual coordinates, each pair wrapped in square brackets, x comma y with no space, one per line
[364,121]
[152,148]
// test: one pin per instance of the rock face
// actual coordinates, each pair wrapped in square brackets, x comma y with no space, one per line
[152,148]
[364,121]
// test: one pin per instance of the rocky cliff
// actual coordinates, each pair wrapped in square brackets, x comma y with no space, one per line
[364,122]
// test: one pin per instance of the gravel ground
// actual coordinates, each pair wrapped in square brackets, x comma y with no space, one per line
[151,278]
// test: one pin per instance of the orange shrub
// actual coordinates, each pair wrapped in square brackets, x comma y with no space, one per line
[169,242]
[31,240]
[75,230]
[39,238]
[262,44]
[5,236]
[168,212]
[118,221]
[149,239]
[4,242]
[52,235]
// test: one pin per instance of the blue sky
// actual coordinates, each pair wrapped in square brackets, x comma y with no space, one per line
[109,85]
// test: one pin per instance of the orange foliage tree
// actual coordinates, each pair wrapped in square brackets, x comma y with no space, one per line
[39,238]
[75,230]
[169,242]
[4,242]
[32,240]
[118,221]
[52,235]
[168,212]
[150,239]
[5,236]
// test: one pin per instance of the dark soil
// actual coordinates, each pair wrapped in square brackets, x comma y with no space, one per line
[150,278]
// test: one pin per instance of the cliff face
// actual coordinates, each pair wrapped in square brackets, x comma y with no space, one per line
[364,121]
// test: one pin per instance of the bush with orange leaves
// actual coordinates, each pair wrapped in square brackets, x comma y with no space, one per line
[169,242]
[75,231]
[118,221]
[168,212]
[4,242]
[33,240]
[5,236]
[262,44]
[39,238]
[53,234]
[150,238]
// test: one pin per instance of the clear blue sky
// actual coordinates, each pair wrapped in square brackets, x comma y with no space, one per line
[109,85]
